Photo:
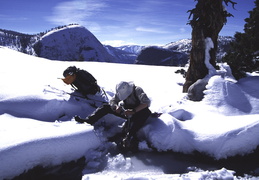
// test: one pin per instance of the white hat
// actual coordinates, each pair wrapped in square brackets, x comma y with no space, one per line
[124,89]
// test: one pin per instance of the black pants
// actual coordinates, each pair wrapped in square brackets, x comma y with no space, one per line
[137,121]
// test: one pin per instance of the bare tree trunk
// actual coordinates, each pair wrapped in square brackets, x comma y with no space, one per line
[208,19]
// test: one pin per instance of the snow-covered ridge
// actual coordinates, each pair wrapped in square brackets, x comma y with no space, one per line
[18,41]
[60,29]
[132,48]
[84,46]
[185,46]
[72,43]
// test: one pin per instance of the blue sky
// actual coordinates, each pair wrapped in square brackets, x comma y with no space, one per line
[115,22]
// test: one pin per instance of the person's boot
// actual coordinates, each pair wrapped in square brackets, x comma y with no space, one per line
[134,145]
[81,120]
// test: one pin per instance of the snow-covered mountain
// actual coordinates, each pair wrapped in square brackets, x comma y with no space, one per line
[76,43]
[123,55]
[171,54]
[185,46]
[134,49]
[127,53]
[17,41]
[72,43]
[68,43]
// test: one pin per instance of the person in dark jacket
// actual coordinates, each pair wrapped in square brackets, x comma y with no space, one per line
[135,108]
[81,80]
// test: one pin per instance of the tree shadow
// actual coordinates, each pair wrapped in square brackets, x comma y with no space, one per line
[250,86]
[235,97]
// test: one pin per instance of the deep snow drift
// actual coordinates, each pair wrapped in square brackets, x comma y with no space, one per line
[37,128]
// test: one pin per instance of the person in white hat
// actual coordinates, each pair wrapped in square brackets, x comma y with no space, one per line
[135,106]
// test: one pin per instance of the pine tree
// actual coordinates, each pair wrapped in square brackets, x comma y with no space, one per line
[208,18]
[244,53]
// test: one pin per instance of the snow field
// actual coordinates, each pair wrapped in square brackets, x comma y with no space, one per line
[37,126]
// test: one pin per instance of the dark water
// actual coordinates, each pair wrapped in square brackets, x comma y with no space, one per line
[66,171]
[168,162]
[177,163]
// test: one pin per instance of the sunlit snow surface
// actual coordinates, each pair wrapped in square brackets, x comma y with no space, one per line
[37,126]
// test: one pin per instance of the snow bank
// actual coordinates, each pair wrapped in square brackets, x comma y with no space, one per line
[29,143]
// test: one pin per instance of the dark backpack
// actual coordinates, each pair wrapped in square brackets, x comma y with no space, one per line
[84,83]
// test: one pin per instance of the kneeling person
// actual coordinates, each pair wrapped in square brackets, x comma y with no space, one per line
[135,107]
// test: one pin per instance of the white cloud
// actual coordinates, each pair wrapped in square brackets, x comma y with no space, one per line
[182,30]
[152,30]
[123,22]
[76,11]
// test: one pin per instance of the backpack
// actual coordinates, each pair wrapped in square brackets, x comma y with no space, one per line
[137,101]
[85,83]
